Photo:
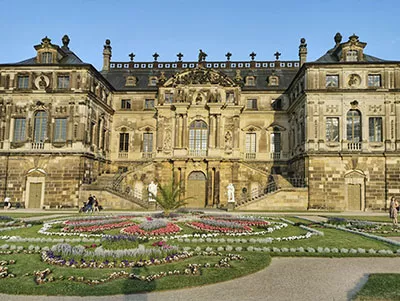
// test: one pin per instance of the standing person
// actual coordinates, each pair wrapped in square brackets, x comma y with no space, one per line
[89,205]
[96,204]
[393,210]
[7,203]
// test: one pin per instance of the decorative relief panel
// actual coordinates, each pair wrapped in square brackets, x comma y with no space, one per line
[375,108]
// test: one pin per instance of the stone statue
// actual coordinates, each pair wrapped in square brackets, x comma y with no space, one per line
[202,55]
[228,140]
[231,192]
[152,191]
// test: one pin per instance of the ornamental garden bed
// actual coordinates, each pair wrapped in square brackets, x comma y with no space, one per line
[120,254]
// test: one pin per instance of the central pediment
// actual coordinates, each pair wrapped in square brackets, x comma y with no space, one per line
[200,76]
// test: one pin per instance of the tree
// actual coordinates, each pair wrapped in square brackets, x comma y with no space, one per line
[168,197]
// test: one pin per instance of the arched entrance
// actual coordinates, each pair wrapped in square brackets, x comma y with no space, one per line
[196,190]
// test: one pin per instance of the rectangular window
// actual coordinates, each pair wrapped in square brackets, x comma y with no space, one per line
[275,142]
[375,129]
[374,80]
[60,129]
[148,142]
[63,82]
[126,104]
[332,81]
[352,56]
[252,104]
[47,58]
[23,82]
[230,97]
[169,98]
[123,142]
[149,104]
[19,129]
[251,143]
[332,129]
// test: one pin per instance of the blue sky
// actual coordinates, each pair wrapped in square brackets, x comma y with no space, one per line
[216,27]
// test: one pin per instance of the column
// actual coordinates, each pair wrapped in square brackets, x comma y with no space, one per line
[218,131]
[209,200]
[183,180]
[184,132]
[236,132]
[216,200]
[177,130]
[212,132]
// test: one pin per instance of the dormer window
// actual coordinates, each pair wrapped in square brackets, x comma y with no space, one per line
[153,81]
[250,81]
[273,80]
[130,81]
[47,58]
[352,56]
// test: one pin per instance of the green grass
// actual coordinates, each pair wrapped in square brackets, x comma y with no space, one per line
[380,287]
[29,263]
[254,261]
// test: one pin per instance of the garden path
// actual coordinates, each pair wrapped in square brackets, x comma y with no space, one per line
[287,278]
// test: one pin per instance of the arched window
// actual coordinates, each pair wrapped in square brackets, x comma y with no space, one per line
[198,133]
[40,133]
[354,126]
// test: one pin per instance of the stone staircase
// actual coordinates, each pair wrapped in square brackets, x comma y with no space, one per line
[277,184]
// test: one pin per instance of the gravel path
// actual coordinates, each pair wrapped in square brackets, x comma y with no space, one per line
[319,279]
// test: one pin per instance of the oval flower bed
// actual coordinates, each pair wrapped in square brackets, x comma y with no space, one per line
[97,228]
[248,221]
[218,226]
[170,228]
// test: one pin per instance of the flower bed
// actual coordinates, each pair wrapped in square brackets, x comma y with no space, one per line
[218,226]
[170,228]
[243,220]
[99,228]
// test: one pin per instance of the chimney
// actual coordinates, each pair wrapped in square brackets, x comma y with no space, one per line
[107,56]
[302,51]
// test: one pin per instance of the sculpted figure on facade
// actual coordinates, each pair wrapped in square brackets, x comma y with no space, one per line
[231,192]
[152,191]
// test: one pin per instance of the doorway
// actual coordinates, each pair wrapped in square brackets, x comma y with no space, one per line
[196,190]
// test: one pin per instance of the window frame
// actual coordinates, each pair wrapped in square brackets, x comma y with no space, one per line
[147,142]
[253,102]
[331,129]
[19,133]
[40,126]
[126,104]
[60,130]
[146,104]
[251,143]
[123,142]
[63,81]
[377,135]
[23,81]
[331,78]
[198,136]
[46,57]
[350,116]
[371,80]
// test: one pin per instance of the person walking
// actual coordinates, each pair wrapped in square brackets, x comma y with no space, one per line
[7,203]
[393,210]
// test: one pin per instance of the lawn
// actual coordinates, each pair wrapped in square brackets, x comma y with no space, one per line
[382,287]
[123,261]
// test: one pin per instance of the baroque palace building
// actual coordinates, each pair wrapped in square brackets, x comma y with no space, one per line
[287,134]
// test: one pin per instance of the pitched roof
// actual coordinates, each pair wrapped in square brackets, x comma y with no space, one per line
[145,70]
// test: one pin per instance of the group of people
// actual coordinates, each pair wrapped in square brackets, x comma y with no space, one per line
[393,210]
[92,205]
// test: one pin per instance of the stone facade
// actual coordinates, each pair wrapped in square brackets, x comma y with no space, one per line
[286,134]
